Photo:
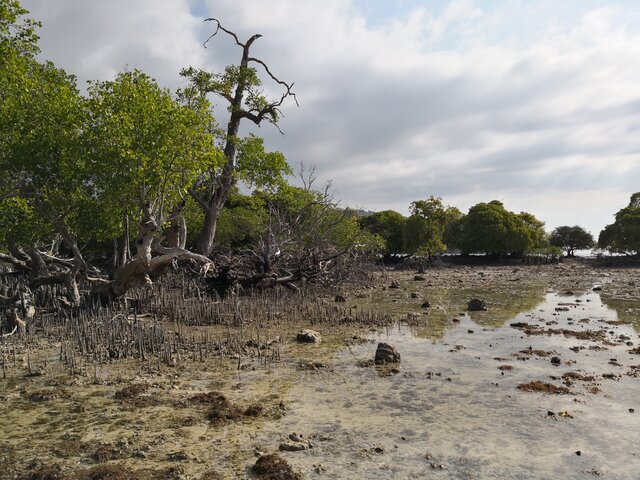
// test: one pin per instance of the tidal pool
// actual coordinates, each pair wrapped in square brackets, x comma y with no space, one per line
[450,412]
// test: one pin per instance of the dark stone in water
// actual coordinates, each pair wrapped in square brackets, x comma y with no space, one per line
[386,353]
[476,305]
[308,336]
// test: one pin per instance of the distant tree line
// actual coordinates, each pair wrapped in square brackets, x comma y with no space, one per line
[433,228]
[489,228]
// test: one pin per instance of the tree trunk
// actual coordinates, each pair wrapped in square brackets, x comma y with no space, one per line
[227,178]
[138,270]
[211,215]
[73,294]
[177,233]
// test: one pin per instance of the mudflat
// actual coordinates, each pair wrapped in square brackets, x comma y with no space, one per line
[543,383]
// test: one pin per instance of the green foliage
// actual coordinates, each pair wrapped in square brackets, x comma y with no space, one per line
[388,225]
[17,33]
[239,228]
[534,228]
[422,237]
[623,236]
[571,239]
[345,232]
[258,168]
[425,231]
[145,146]
[288,199]
[40,138]
[227,83]
[19,224]
[490,228]
[241,222]
[86,165]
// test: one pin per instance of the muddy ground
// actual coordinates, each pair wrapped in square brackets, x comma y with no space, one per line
[541,384]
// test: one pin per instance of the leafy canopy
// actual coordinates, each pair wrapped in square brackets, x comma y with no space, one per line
[623,235]
[388,225]
[492,229]
[425,231]
[145,145]
[40,134]
[571,238]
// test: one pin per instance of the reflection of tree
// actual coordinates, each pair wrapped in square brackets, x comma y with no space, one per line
[628,310]
[504,303]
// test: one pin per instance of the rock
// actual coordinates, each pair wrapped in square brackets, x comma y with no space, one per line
[597,289]
[340,299]
[179,456]
[292,446]
[378,449]
[394,284]
[419,278]
[426,304]
[296,443]
[555,361]
[308,336]
[415,295]
[476,305]
[386,353]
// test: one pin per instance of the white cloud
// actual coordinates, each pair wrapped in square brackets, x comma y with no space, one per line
[534,103]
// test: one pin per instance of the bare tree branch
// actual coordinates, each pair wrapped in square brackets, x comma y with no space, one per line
[220,27]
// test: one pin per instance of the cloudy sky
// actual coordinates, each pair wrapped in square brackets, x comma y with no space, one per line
[532,102]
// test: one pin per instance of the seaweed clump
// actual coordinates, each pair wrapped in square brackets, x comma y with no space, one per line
[274,467]
[120,472]
[136,396]
[538,386]
[221,410]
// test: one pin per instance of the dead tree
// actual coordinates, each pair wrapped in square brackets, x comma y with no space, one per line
[239,86]
[151,255]
[296,247]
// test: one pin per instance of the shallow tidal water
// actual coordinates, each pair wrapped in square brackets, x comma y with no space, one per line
[449,412]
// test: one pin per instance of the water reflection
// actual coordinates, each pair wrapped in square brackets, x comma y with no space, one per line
[628,310]
[450,405]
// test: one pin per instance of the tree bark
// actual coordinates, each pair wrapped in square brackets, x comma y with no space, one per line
[177,232]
